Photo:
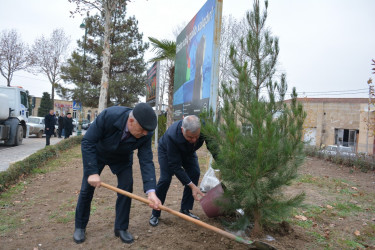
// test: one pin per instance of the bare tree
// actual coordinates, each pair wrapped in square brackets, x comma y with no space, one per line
[106,8]
[47,56]
[164,81]
[12,54]
[231,29]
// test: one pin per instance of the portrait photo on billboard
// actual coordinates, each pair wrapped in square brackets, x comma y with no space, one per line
[151,84]
[195,62]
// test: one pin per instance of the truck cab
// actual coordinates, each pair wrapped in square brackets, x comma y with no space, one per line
[13,115]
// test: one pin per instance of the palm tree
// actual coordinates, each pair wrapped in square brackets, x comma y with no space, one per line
[166,50]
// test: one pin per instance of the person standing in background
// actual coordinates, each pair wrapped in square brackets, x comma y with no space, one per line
[60,122]
[68,125]
[49,122]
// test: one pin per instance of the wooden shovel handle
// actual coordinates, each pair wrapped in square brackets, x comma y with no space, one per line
[181,215]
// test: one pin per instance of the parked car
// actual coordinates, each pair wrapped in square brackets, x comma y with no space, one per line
[85,124]
[36,126]
[338,150]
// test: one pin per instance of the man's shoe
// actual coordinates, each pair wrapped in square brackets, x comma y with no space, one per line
[79,235]
[154,221]
[187,212]
[124,235]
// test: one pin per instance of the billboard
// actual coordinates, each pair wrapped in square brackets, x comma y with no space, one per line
[152,84]
[197,62]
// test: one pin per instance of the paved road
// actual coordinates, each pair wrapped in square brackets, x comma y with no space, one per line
[29,146]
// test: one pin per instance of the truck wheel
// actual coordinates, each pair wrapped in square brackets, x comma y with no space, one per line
[19,136]
[40,134]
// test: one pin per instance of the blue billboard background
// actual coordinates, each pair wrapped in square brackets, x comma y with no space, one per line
[196,66]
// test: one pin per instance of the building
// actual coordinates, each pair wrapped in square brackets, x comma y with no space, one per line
[339,121]
[63,107]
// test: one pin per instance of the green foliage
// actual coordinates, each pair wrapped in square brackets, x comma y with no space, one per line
[165,49]
[26,166]
[84,68]
[162,125]
[29,102]
[256,162]
[45,104]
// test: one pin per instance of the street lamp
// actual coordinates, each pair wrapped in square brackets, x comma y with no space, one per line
[83,26]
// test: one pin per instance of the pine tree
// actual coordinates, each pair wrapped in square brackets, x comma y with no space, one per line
[259,135]
[127,65]
[45,105]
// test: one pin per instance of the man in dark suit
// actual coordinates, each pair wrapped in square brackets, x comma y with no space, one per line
[111,140]
[49,123]
[68,125]
[60,122]
[177,156]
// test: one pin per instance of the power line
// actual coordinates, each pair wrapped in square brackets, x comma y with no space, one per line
[325,94]
[333,91]
[32,78]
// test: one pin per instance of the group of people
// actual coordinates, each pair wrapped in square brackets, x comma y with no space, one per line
[111,140]
[65,125]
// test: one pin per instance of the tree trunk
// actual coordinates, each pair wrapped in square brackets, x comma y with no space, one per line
[53,95]
[257,230]
[170,97]
[103,99]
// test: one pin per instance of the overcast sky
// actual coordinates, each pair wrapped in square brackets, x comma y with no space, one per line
[326,46]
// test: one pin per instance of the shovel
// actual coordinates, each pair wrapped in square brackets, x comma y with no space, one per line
[251,244]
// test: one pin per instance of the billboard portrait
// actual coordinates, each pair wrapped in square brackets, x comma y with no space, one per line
[152,84]
[197,62]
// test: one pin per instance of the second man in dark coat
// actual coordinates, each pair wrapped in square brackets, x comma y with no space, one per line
[177,156]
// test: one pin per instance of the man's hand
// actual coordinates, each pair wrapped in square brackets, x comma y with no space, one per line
[94,180]
[195,190]
[155,201]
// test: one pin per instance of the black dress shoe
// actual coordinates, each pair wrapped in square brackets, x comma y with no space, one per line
[154,221]
[79,235]
[124,235]
[187,212]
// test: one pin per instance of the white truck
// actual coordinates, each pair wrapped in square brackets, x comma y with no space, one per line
[13,115]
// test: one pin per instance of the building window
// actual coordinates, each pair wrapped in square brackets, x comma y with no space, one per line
[346,137]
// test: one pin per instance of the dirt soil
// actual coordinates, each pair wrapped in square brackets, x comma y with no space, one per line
[43,212]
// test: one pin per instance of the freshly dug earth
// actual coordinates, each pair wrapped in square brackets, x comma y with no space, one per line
[41,214]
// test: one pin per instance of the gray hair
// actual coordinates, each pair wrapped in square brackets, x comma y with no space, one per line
[132,116]
[191,123]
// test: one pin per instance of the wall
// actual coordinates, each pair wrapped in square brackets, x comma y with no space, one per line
[324,115]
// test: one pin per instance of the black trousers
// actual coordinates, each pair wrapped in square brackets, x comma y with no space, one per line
[48,137]
[60,131]
[191,166]
[123,203]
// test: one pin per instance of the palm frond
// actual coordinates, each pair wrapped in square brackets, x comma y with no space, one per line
[164,49]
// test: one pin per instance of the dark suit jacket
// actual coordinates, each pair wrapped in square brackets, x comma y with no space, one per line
[102,141]
[177,148]
[49,122]
[68,125]
[60,122]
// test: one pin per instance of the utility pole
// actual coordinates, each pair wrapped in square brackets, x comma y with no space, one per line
[370,94]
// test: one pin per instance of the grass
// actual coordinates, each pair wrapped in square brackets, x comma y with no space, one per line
[345,205]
